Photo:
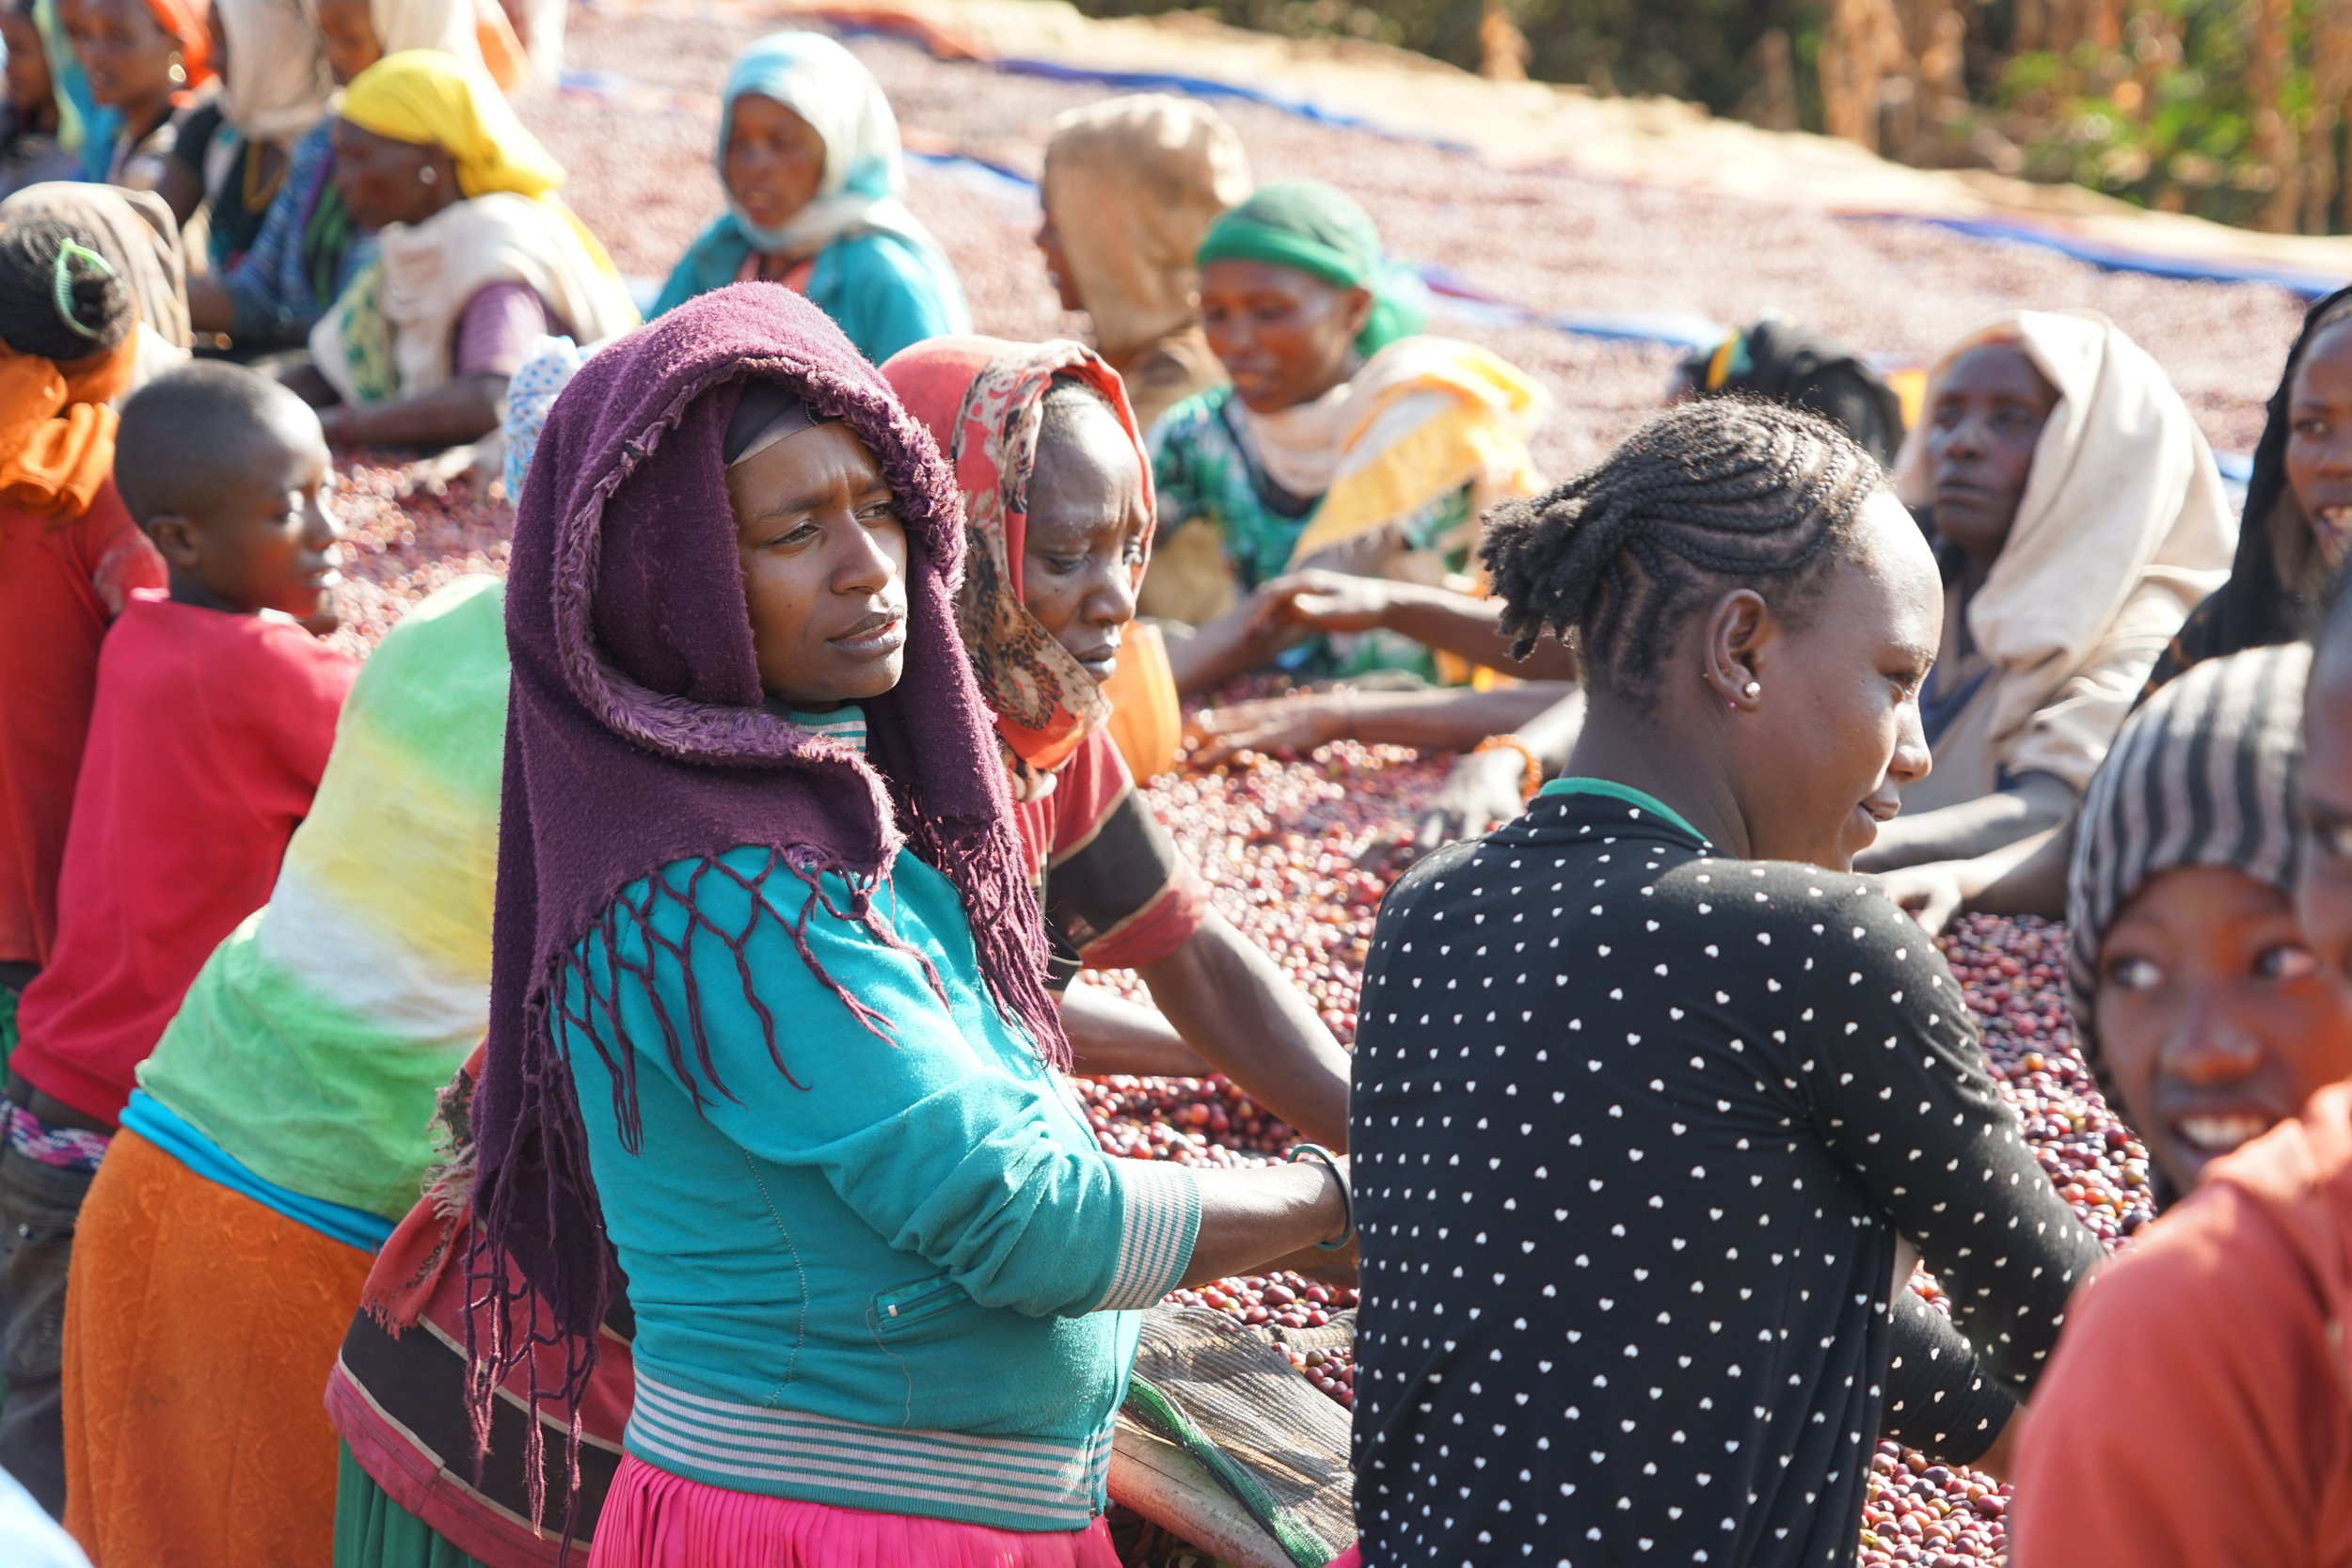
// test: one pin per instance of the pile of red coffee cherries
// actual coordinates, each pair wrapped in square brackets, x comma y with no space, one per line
[1272,1300]
[2013,973]
[1191,1121]
[1918,1511]
[1331,1371]
[402,541]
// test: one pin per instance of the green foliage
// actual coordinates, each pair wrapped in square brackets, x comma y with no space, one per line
[1695,49]
[2166,120]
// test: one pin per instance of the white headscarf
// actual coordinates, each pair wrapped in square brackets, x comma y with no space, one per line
[276,80]
[446,26]
[2123,528]
[865,172]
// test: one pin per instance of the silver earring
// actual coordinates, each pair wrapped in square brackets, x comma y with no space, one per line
[1752,690]
[428,175]
[179,73]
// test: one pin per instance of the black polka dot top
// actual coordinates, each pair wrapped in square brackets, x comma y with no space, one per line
[1636,1129]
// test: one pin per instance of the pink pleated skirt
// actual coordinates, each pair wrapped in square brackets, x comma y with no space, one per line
[653,1519]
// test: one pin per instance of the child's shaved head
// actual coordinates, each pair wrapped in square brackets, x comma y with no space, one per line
[190,434]
[229,474]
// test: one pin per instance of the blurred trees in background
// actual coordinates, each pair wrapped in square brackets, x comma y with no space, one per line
[2232,109]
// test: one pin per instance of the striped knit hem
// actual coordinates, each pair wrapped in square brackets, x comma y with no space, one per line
[845,725]
[1024,1483]
[1162,1219]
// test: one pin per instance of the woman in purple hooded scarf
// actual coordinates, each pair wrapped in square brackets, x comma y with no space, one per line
[769,1024]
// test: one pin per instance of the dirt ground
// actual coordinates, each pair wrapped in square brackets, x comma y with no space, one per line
[1551,240]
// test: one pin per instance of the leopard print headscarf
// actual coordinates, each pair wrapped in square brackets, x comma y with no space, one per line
[983,399]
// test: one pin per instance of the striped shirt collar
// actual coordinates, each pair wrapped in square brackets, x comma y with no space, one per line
[845,725]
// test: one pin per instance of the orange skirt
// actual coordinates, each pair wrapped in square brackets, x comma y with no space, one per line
[199,1329]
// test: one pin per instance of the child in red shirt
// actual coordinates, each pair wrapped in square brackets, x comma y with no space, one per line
[214,717]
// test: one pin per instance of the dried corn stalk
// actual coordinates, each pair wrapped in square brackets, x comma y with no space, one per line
[2274,145]
[2031,29]
[1937,36]
[1862,49]
[2332,85]
[1502,49]
[1773,101]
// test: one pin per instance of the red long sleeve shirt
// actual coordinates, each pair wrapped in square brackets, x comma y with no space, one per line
[206,743]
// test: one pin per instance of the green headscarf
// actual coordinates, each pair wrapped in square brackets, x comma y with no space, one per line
[1311,227]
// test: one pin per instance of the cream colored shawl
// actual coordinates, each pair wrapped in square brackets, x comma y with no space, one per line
[275,83]
[433,270]
[2123,528]
[448,25]
[1133,185]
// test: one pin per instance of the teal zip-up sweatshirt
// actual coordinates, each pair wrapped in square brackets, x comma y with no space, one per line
[908,1285]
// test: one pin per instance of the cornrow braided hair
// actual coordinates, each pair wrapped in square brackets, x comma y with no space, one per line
[1723,493]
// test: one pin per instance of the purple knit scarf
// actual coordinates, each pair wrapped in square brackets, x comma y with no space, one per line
[636,737]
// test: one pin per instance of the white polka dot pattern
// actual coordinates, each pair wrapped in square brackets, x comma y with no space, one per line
[1636,1131]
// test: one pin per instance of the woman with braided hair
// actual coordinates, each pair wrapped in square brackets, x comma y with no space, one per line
[1655,1029]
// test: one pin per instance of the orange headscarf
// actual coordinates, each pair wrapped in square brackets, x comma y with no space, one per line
[190,24]
[56,433]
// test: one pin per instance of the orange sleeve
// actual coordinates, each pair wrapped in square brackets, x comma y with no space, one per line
[2193,1411]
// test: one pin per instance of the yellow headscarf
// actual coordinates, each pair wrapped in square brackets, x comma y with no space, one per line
[428,98]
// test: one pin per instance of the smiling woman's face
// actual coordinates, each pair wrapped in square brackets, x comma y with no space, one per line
[824,559]
[124,52]
[2216,1019]
[1283,337]
[1840,694]
[2319,438]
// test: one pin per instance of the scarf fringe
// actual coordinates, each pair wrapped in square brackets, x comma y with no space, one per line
[550,1147]
[495,1287]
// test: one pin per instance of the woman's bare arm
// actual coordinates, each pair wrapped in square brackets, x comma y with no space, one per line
[2029,807]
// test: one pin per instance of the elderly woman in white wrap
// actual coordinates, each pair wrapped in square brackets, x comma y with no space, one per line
[2079,517]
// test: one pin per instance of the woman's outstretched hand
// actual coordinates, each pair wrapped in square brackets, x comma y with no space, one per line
[1270,724]
[1930,893]
[1480,795]
[1327,601]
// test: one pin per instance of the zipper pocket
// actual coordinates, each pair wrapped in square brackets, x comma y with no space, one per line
[905,1307]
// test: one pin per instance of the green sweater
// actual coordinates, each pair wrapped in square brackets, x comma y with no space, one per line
[907,1286]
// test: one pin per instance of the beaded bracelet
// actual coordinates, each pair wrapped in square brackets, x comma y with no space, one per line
[1534,778]
[1347,1198]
